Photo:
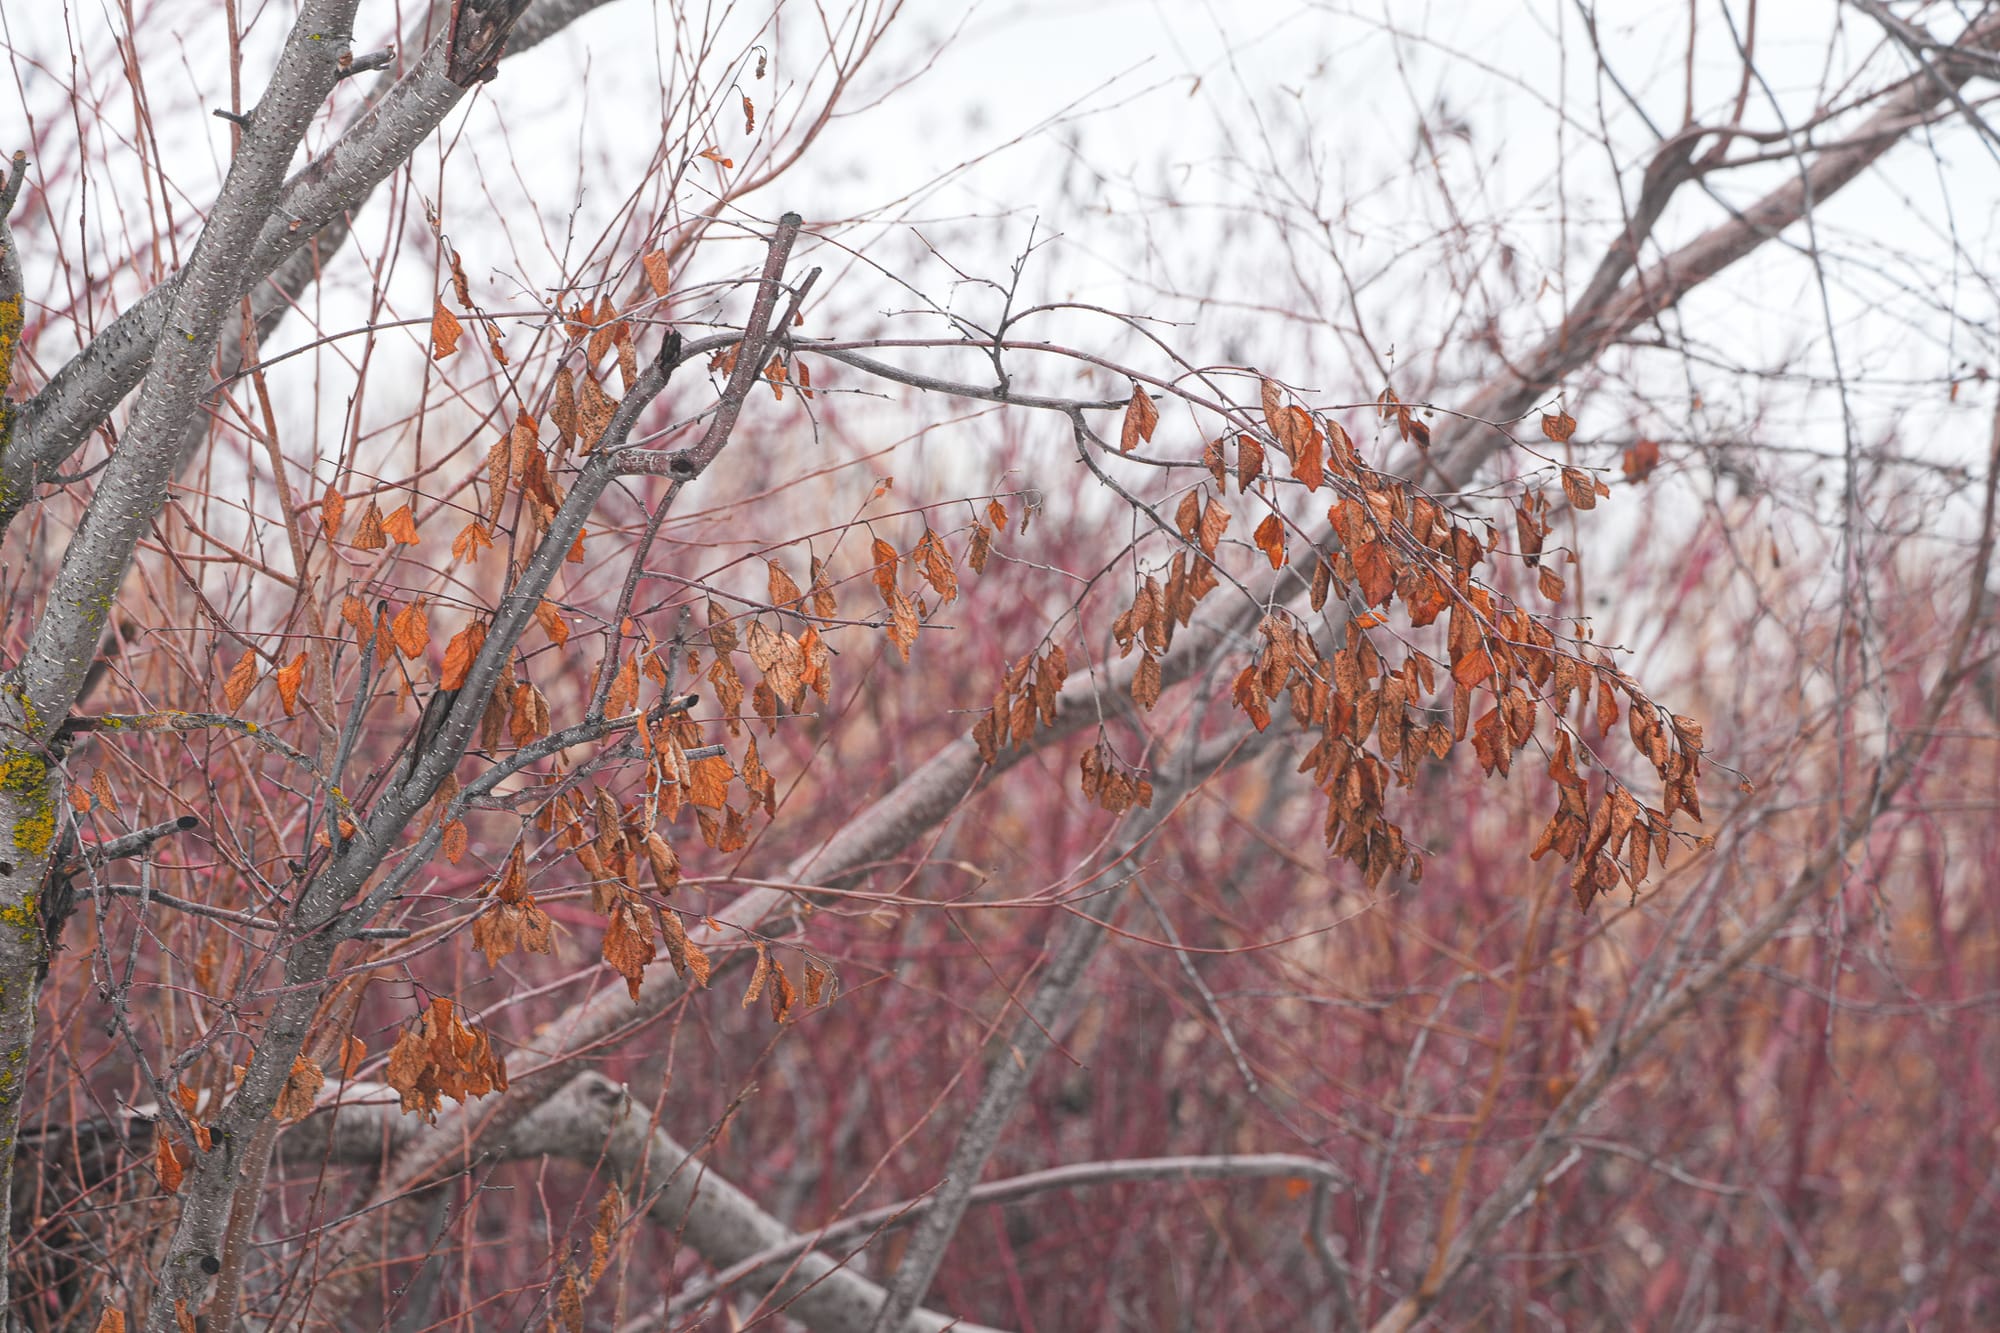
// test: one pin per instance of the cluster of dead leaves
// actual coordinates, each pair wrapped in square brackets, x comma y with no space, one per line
[789,666]
[574,1286]
[1595,838]
[441,1057]
[1376,723]
[625,846]
[1110,784]
[169,1162]
[447,328]
[1027,695]
[514,922]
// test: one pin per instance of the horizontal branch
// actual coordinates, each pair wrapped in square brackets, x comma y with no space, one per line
[1079,1175]
[592,1120]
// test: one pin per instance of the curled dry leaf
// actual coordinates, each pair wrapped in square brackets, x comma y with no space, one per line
[629,945]
[445,331]
[241,680]
[369,536]
[332,508]
[1270,539]
[302,1085]
[401,526]
[784,592]
[624,689]
[1249,460]
[657,270]
[169,1166]
[460,653]
[1146,682]
[552,623]
[288,679]
[708,786]
[1641,457]
[933,561]
[411,630]
[1140,419]
[884,557]
[470,541]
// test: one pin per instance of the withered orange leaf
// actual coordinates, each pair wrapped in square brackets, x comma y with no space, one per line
[708,784]
[1211,458]
[552,623]
[628,944]
[784,592]
[1641,457]
[1249,460]
[522,446]
[687,957]
[563,413]
[1374,572]
[167,1162]
[241,680]
[471,539]
[624,689]
[1188,516]
[288,679]
[903,623]
[332,508]
[1146,682]
[1214,522]
[885,558]
[1308,466]
[411,630]
[933,561]
[445,331]
[355,612]
[401,526]
[594,410]
[100,786]
[1270,539]
[1140,418]
[369,536]
[1558,427]
[302,1085]
[655,264]
[758,976]
[1473,667]
[1579,486]
[459,655]
[1272,401]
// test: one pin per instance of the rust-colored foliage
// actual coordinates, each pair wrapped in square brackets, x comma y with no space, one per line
[439,1056]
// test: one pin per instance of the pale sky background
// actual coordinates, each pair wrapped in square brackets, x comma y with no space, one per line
[1172,149]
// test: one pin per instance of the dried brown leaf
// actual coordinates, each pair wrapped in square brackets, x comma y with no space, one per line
[1140,419]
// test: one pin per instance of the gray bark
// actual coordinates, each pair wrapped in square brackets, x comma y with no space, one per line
[36,695]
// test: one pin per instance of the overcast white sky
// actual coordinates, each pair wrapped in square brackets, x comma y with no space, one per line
[1143,133]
